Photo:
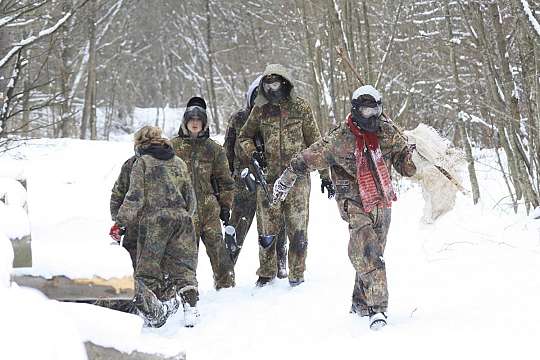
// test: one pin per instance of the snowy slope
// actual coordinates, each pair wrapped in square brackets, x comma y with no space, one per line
[465,286]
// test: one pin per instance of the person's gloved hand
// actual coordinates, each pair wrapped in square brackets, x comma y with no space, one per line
[225,215]
[261,159]
[283,185]
[116,232]
[329,186]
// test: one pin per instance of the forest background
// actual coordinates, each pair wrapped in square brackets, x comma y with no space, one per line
[470,69]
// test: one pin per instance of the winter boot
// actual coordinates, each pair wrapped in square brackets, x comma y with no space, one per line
[377,321]
[189,296]
[296,282]
[172,306]
[191,315]
[262,281]
[149,307]
[156,317]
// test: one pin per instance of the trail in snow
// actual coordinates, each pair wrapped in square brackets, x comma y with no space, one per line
[466,286]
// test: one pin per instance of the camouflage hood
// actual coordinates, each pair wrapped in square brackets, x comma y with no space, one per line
[276,69]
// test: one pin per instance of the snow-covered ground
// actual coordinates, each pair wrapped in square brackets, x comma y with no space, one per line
[467,286]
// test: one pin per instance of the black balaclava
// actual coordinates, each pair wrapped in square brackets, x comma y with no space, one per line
[366,108]
[275,88]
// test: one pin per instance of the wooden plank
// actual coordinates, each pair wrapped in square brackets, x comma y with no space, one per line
[97,352]
[63,288]
[22,251]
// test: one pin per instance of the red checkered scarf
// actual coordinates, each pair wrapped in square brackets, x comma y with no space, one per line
[375,187]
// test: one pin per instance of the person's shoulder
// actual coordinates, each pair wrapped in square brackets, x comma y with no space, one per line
[301,104]
[213,145]
[129,162]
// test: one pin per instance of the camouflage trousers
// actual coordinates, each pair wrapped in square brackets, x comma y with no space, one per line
[368,232]
[208,229]
[291,215]
[166,253]
[242,213]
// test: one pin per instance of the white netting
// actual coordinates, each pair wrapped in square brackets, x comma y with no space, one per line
[432,149]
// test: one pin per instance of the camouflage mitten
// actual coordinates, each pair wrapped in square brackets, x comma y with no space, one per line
[283,185]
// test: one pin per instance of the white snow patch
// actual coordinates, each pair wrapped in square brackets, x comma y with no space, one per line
[6,260]
[12,192]
[35,328]
[466,279]
[13,221]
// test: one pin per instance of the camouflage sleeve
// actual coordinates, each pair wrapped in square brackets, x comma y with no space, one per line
[120,188]
[134,200]
[247,133]
[230,141]
[221,172]
[312,135]
[319,156]
[401,152]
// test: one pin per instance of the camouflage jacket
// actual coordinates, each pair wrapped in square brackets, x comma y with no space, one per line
[337,150]
[236,162]
[121,187]
[286,129]
[157,185]
[206,159]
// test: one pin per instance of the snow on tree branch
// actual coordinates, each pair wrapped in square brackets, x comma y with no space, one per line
[32,39]
[531,17]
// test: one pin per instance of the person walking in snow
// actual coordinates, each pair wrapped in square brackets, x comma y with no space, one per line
[361,152]
[244,203]
[207,165]
[286,125]
[161,200]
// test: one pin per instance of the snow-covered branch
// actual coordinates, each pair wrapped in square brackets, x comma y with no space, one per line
[34,38]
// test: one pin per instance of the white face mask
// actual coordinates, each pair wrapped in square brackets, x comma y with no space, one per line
[273,86]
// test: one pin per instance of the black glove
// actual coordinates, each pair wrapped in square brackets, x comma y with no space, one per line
[261,159]
[225,215]
[329,185]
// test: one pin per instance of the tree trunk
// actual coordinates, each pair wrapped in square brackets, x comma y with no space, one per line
[66,68]
[88,115]
[512,108]
[369,73]
[212,89]
[460,116]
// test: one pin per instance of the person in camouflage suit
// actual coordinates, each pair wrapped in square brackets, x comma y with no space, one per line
[161,200]
[244,203]
[361,152]
[286,124]
[206,160]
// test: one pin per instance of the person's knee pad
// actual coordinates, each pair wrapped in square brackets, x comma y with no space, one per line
[266,240]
